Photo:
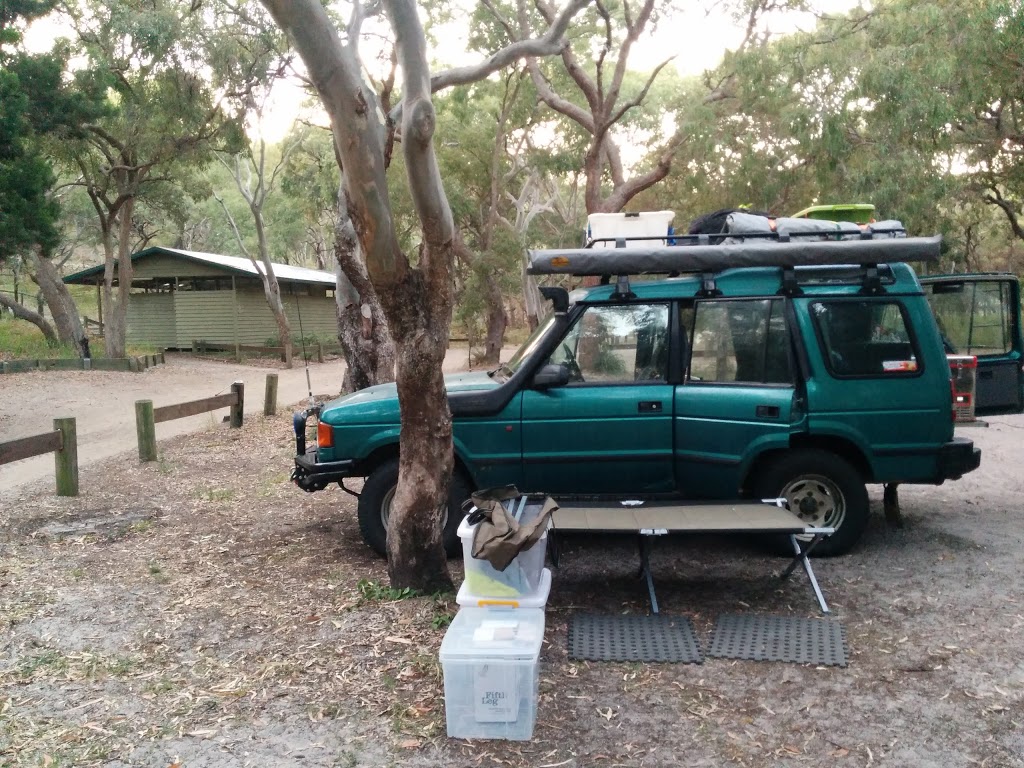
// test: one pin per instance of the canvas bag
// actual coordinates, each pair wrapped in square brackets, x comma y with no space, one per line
[499,538]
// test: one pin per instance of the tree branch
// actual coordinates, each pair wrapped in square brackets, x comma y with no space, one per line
[995,197]
[550,43]
[24,313]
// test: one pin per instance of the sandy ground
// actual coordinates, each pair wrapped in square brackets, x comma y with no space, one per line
[201,611]
[103,403]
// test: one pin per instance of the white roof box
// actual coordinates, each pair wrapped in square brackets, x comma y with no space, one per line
[608,227]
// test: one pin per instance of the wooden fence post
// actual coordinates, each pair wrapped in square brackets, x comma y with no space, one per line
[145,426]
[319,351]
[270,397]
[236,410]
[66,459]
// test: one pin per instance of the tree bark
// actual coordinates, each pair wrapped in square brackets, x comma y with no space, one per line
[420,322]
[62,306]
[24,313]
[497,322]
[117,266]
[416,301]
[362,326]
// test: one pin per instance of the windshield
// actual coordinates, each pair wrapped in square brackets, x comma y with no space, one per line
[525,351]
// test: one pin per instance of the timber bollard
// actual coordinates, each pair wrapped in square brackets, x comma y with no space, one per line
[66,458]
[236,410]
[319,352]
[145,426]
[270,397]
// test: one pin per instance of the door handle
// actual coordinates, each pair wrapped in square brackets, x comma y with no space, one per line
[649,406]
[767,411]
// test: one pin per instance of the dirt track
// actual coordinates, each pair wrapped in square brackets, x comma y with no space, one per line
[104,403]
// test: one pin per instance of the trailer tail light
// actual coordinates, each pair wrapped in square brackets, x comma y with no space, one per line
[324,435]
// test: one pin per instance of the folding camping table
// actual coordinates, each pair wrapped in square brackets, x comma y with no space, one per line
[650,519]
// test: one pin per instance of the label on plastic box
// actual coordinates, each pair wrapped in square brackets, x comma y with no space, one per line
[495,693]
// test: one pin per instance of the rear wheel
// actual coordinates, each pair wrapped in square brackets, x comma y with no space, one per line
[376,498]
[824,490]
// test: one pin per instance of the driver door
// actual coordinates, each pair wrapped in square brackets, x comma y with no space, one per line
[609,431]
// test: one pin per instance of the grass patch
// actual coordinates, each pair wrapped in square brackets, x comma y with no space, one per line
[216,494]
[374,592]
[49,663]
[20,340]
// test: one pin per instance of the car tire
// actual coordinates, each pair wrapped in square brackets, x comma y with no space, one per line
[375,501]
[824,490]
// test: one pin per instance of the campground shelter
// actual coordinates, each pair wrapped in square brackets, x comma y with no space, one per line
[178,297]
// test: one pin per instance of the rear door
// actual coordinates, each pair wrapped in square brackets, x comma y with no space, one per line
[737,400]
[980,315]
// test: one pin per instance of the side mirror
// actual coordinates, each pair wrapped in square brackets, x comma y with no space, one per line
[551,375]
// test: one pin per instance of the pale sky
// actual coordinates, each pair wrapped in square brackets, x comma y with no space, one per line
[698,38]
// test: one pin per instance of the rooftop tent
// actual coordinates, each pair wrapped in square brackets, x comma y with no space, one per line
[694,256]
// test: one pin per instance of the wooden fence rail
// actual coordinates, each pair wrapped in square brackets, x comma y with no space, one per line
[62,443]
[147,417]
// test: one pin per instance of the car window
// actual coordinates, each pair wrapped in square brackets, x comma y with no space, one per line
[617,344]
[974,317]
[865,338]
[738,341]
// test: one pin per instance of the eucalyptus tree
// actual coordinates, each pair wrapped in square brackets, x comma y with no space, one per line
[593,89]
[255,182]
[416,296]
[492,172]
[163,116]
[248,61]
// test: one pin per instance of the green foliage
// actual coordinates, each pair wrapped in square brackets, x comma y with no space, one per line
[899,106]
[375,592]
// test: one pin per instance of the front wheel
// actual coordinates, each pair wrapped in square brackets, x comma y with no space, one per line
[374,508]
[824,491]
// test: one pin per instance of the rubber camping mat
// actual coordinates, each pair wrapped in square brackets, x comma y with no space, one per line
[779,638]
[660,637]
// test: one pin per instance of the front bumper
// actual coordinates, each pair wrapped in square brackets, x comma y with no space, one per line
[309,474]
[957,458]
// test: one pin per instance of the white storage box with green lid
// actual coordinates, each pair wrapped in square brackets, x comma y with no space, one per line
[490,658]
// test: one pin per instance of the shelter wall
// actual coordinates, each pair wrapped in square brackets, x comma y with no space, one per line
[151,319]
[207,315]
[256,322]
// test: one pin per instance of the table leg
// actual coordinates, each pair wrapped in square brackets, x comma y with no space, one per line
[645,570]
[801,557]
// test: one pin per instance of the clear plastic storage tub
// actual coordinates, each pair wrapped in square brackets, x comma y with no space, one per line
[490,658]
[535,599]
[520,579]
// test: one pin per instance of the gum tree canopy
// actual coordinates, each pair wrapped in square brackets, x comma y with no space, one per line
[417,298]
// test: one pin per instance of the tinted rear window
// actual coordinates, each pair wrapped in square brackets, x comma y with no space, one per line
[865,338]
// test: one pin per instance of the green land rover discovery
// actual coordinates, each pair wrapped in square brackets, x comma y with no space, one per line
[784,363]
